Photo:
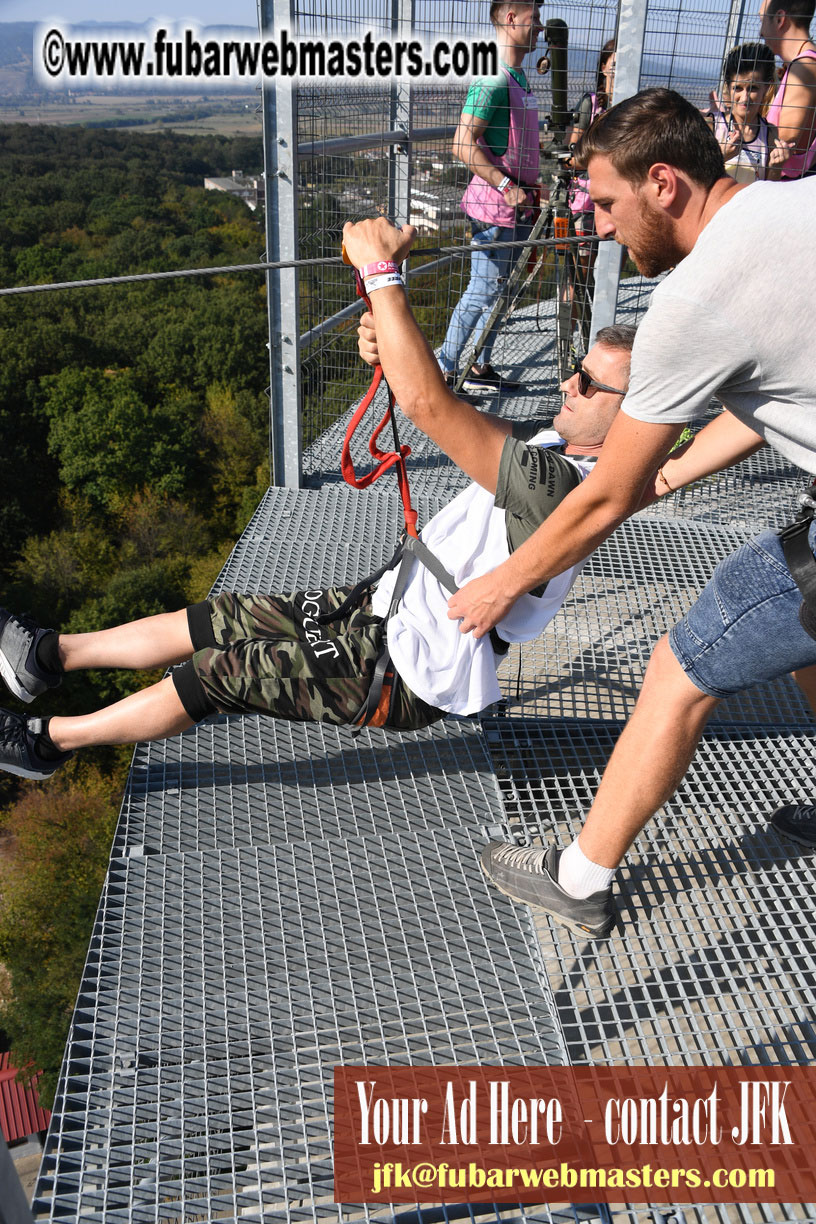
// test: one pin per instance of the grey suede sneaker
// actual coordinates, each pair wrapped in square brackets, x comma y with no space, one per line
[19,750]
[797,821]
[530,875]
[19,636]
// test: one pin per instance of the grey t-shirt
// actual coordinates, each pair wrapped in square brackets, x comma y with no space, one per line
[735,319]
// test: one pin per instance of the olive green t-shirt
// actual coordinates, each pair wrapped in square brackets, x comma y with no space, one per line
[532,481]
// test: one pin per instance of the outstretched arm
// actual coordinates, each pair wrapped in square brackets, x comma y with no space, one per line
[722,443]
[624,480]
[473,440]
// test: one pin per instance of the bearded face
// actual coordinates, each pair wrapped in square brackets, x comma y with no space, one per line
[650,239]
[627,213]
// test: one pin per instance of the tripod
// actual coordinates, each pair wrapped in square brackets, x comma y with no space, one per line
[552,243]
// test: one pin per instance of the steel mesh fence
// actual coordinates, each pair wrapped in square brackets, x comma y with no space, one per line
[354,164]
[348,164]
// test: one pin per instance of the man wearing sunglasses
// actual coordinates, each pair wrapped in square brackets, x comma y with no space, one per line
[271,654]
[587,385]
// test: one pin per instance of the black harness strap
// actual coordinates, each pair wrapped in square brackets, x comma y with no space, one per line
[411,549]
[800,559]
[354,596]
[432,562]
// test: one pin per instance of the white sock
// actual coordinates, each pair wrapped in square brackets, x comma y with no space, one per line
[579,876]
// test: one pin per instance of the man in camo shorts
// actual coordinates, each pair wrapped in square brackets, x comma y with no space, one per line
[273,654]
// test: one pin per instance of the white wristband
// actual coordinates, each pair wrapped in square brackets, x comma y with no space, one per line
[505,183]
[379,282]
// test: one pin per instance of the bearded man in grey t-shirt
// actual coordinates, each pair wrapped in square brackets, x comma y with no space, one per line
[733,319]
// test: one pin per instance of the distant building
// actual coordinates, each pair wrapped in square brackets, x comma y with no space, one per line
[247,187]
[21,1114]
[433,210]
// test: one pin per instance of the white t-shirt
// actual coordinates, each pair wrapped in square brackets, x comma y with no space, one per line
[735,319]
[446,668]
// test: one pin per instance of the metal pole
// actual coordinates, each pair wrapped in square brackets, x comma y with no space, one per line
[399,157]
[14,1208]
[281,174]
[735,20]
[631,37]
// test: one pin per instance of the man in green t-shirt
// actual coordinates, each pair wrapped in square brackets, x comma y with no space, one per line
[497,139]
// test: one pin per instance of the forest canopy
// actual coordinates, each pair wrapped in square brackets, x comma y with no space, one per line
[133,449]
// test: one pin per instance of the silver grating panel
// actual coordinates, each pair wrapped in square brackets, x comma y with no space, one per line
[759,492]
[222,988]
[302,537]
[713,962]
[590,660]
[257,781]
[283,898]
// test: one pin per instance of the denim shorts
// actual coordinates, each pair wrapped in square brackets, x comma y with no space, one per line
[745,628]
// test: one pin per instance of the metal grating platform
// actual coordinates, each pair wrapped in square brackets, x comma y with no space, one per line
[759,492]
[221,989]
[282,898]
[590,660]
[713,961]
[300,537]
[256,782]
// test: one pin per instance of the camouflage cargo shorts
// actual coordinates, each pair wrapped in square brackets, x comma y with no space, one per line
[266,654]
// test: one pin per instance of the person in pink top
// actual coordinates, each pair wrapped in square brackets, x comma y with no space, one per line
[583,210]
[785,26]
[591,105]
[749,143]
[497,139]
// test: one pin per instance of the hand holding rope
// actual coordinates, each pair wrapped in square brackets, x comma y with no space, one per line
[378,275]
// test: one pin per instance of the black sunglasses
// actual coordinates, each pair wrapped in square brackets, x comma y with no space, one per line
[585,382]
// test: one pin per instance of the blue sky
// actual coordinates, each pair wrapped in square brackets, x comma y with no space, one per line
[72,12]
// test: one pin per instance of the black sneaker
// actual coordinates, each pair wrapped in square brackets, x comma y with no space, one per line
[530,875]
[488,379]
[450,381]
[19,752]
[19,637]
[797,821]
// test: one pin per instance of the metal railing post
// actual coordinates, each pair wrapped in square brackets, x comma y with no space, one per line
[399,156]
[281,220]
[628,62]
[14,1208]
[735,20]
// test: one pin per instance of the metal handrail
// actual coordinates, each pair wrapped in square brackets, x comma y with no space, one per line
[373,140]
[446,255]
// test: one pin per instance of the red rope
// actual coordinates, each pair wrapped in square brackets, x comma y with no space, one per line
[384,460]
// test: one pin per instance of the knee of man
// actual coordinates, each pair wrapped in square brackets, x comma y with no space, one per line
[667,681]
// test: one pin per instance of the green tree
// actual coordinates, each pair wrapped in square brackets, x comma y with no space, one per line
[239,454]
[110,441]
[58,845]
